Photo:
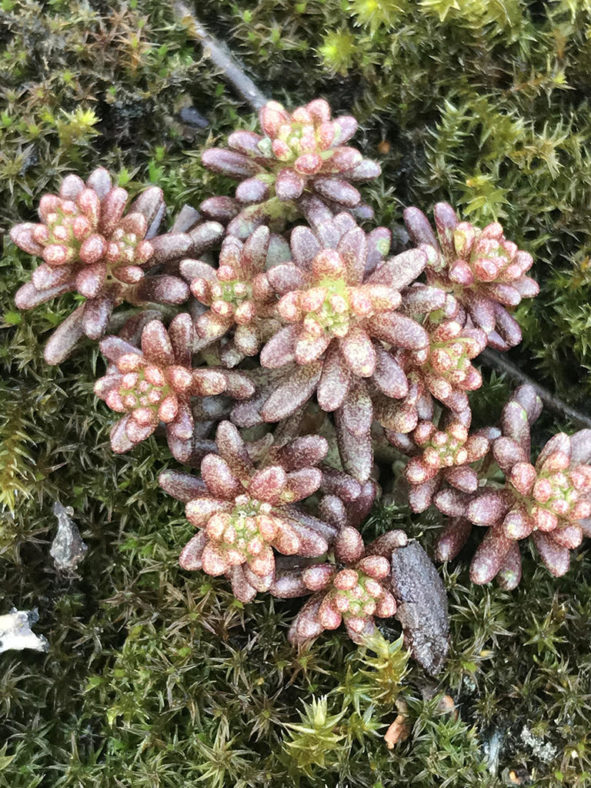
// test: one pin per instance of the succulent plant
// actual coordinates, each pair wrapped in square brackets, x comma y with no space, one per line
[443,369]
[441,456]
[245,505]
[299,154]
[483,270]
[156,383]
[340,325]
[352,590]
[549,500]
[90,244]
[238,295]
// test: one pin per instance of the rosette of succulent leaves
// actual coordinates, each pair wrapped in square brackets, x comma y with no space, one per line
[273,340]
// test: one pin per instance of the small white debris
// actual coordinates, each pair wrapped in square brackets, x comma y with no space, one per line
[16,633]
[492,750]
[67,548]
[546,752]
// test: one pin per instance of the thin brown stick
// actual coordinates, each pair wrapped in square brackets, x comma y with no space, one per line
[493,359]
[221,57]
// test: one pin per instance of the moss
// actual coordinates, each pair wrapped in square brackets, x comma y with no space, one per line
[159,678]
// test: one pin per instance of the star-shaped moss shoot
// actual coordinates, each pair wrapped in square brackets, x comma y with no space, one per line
[299,153]
[549,499]
[238,295]
[155,384]
[246,505]
[93,244]
[351,591]
[485,271]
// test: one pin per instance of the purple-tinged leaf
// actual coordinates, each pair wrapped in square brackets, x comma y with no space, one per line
[280,349]
[353,249]
[348,546]
[288,585]
[64,338]
[303,452]
[100,181]
[337,191]
[359,353]
[388,375]
[220,209]
[252,190]
[289,185]
[294,390]
[446,221]
[490,556]
[453,538]
[400,331]
[22,236]
[285,277]
[245,142]
[182,486]
[366,170]
[335,380]
[27,296]
[156,345]
[507,453]
[95,316]
[509,574]
[555,557]
[489,507]
[400,271]
[120,443]
[419,227]
[162,289]
[304,246]
[230,163]
[219,478]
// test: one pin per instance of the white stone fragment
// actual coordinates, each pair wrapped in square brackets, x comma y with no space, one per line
[16,633]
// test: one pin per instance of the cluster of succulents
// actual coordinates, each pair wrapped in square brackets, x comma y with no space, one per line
[549,500]
[289,341]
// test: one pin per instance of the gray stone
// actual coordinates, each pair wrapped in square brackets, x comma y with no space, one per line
[422,606]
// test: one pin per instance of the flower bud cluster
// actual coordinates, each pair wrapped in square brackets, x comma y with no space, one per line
[89,245]
[444,366]
[84,228]
[329,306]
[486,258]
[441,457]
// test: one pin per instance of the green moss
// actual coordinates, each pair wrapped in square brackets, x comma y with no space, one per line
[160,678]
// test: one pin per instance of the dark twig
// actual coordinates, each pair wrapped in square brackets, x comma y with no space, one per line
[227,64]
[247,89]
[493,359]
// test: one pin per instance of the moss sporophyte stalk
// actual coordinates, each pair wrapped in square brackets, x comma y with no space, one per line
[287,319]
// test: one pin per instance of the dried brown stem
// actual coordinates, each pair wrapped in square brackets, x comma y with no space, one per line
[225,61]
[493,359]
